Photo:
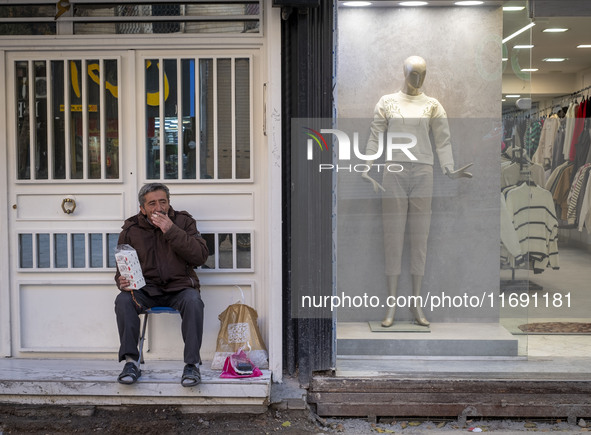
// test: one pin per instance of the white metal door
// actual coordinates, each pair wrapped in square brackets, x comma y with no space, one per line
[86,131]
[67,195]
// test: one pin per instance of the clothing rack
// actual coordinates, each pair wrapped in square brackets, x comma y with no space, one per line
[537,111]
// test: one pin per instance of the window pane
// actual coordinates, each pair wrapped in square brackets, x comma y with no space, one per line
[40,120]
[96,250]
[226,248]
[78,250]
[25,249]
[24,11]
[171,165]
[93,80]
[76,143]
[242,118]
[206,121]
[43,253]
[60,250]
[112,117]
[211,246]
[111,246]
[244,249]
[23,128]
[189,125]
[224,119]
[59,120]
[153,120]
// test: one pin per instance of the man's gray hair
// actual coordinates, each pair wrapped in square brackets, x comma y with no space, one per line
[149,188]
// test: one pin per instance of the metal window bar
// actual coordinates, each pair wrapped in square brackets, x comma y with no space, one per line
[69,250]
[233,119]
[32,121]
[84,90]
[67,121]
[105,250]
[216,241]
[119,112]
[215,120]
[102,120]
[34,250]
[161,116]
[179,119]
[197,132]
[67,124]
[50,131]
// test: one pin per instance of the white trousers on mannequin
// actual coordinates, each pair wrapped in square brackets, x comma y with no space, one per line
[406,212]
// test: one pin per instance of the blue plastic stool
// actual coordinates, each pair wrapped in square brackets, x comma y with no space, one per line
[153,310]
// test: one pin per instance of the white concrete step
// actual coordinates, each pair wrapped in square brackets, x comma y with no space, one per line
[94,382]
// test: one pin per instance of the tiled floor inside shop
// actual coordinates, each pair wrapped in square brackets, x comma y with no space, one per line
[538,354]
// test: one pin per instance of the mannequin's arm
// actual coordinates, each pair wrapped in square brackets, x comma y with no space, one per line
[459,173]
[376,186]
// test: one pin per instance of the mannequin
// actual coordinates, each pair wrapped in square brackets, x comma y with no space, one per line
[406,197]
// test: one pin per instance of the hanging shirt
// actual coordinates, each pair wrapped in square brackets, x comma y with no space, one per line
[532,212]
[577,130]
[547,138]
[569,129]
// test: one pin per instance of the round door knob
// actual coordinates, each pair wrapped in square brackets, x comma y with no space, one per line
[68,205]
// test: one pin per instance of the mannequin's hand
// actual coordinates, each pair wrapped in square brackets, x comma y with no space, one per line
[374,183]
[459,173]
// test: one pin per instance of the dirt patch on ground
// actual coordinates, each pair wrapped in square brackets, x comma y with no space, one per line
[21,419]
[147,420]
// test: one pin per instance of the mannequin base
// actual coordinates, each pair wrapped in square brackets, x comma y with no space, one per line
[376,326]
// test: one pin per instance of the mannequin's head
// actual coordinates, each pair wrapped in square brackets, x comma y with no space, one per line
[415,70]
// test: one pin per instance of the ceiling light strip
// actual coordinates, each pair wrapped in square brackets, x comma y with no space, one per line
[519,32]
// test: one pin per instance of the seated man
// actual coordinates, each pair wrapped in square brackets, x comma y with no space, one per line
[169,247]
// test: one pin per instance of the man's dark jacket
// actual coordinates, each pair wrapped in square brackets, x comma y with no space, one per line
[167,259]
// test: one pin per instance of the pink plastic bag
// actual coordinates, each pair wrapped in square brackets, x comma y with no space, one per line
[238,365]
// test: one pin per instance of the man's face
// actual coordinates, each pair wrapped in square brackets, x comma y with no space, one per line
[155,202]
